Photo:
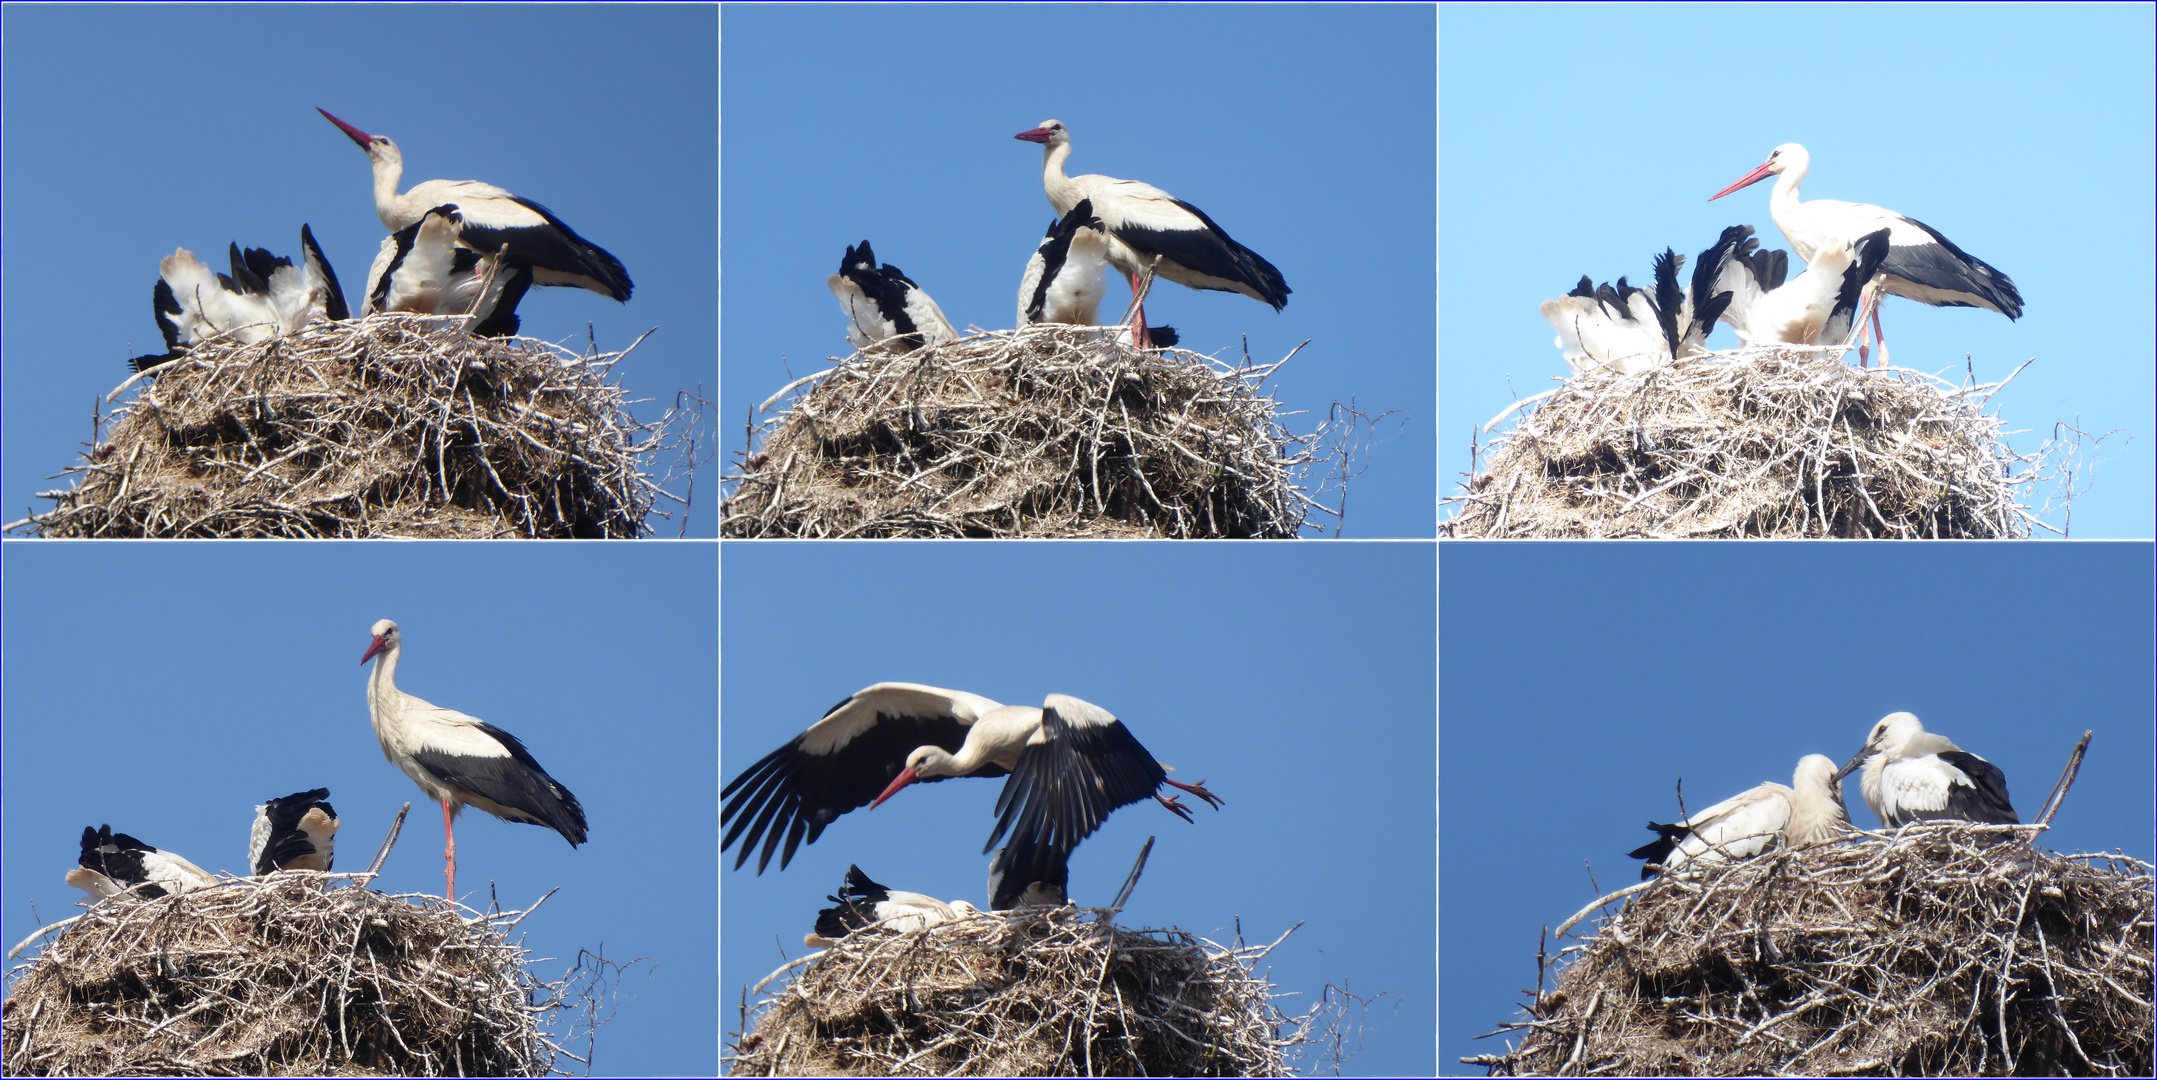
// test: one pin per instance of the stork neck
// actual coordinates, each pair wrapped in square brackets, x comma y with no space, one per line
[386,175]
[1783,207]
[1060,189]
[382,681]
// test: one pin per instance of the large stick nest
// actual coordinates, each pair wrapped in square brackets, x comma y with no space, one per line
[1946,949]
[1048,431]
[392,425]
[282,977]
[1048,993]
[1777,442]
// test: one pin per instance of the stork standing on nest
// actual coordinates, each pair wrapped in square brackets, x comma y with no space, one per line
[422,268]
[1818,307]
[1063,278]
[1144,222]
[1750,822]
[1914,775]
[460,761]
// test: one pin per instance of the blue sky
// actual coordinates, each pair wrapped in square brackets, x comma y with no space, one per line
[1582,681]
[1296,680]
[135,129]
[1306,131]
[1584,140]
[168,687]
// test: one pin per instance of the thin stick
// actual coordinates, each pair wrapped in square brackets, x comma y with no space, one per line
[786,967]
[1131,881]
[2066,780]
[17,950]
[389,841]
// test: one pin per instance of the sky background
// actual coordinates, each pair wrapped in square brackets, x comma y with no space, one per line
[1583,680]
[1295,680]
[1306,131]
[108,168]
[191,681]
[1584,140]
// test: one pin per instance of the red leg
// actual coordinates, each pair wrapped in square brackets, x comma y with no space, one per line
[1198,789]
[449,852]
[1878,337]
[1173,806]
[1140,339]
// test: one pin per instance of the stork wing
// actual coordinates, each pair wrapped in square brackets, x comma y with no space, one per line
[486,761]
[1984,797]
[1080,767]
[282,831]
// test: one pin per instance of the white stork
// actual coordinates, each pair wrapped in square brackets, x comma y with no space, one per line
[884,308]
[863,903]
[1818,307]
[297,832]
[1631,329]
[461,761]
[1914,775]
[1063,279]
[116,864]
[1143,222]
[1750,822]
[264,297]
[491,219]
[421,268]
[1921,264]
[1069,764]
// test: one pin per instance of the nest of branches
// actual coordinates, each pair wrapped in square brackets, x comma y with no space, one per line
[1944,949]
[1048,431]
[283,977]
[1045,993]
[392,425]
[1770,442]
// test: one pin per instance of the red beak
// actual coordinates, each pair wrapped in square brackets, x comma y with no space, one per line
[362,138]
[904,779]
[377,646]
[1036,135]
[1752,177]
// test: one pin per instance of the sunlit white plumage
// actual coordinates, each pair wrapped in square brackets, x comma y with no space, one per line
[1753,821]
[862,903]
[1914,775]
[265,296]
[885,311]
[296,832]
[422,268]
[116,864]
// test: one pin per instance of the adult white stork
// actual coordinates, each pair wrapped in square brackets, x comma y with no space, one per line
[885,310]
[1914,775]
[1144,222]
[460,761]
[1069,764]
[116,864]
[863,903]
[491,219]
[1631,329]
[264,297]
[1750,822]
[1921,264]
[1818,307]
[422,268]
[297,832]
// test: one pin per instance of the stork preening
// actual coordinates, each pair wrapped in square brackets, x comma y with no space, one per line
[1914,775]
[1631,330]
[1921,264]
[885,310]
[297,832]
[863,903]
[1818,307]
[1063,282]
[460,761]
[422,268]
[1753,821]
[116,864]
[1144,222]
[491,221]
[264,297]
[1069,765]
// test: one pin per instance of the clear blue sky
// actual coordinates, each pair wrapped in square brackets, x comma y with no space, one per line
[1583,140]
[1306,131]
[1582,681]
[135,129]
[1296,680]
[168,687]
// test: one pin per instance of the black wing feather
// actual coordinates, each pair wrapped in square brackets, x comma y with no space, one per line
[1064,788]
[1210,251]
[286,841]
[517,782]
[1986,799]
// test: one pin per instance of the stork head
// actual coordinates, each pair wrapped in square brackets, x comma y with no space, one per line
[1780,160]
[925,763]
[1816,775]
[1051,133]
[378,147]
[1892,735]
[385,639]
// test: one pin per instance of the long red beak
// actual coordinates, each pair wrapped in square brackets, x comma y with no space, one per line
[377,646]
[1752,177]
[362,138]
[905,778]
[1036,135]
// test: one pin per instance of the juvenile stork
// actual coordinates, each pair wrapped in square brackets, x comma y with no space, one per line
[1631,330]
[1750,822]
[1063,278]
[863,903]
[1818,307]
[116,864]
[460,761]
[297,832]
[1921,264]
[264,297]
[1143,222]
[1914,775]
[1069,765]
[885,310]
[422,268]
[491,220]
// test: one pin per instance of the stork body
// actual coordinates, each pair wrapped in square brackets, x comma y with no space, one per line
[1914,775]
[491,221]
[116,864]
[1752,821]
[863,903]
[265,296]
[1144,222]
[422,268]
[1069,765]
[1063,282]
[297,832]
[460,761]
[1632,330]
[1818,307]
[885,310]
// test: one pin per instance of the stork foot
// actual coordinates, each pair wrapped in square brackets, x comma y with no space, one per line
[1174,807]
[1199,789]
